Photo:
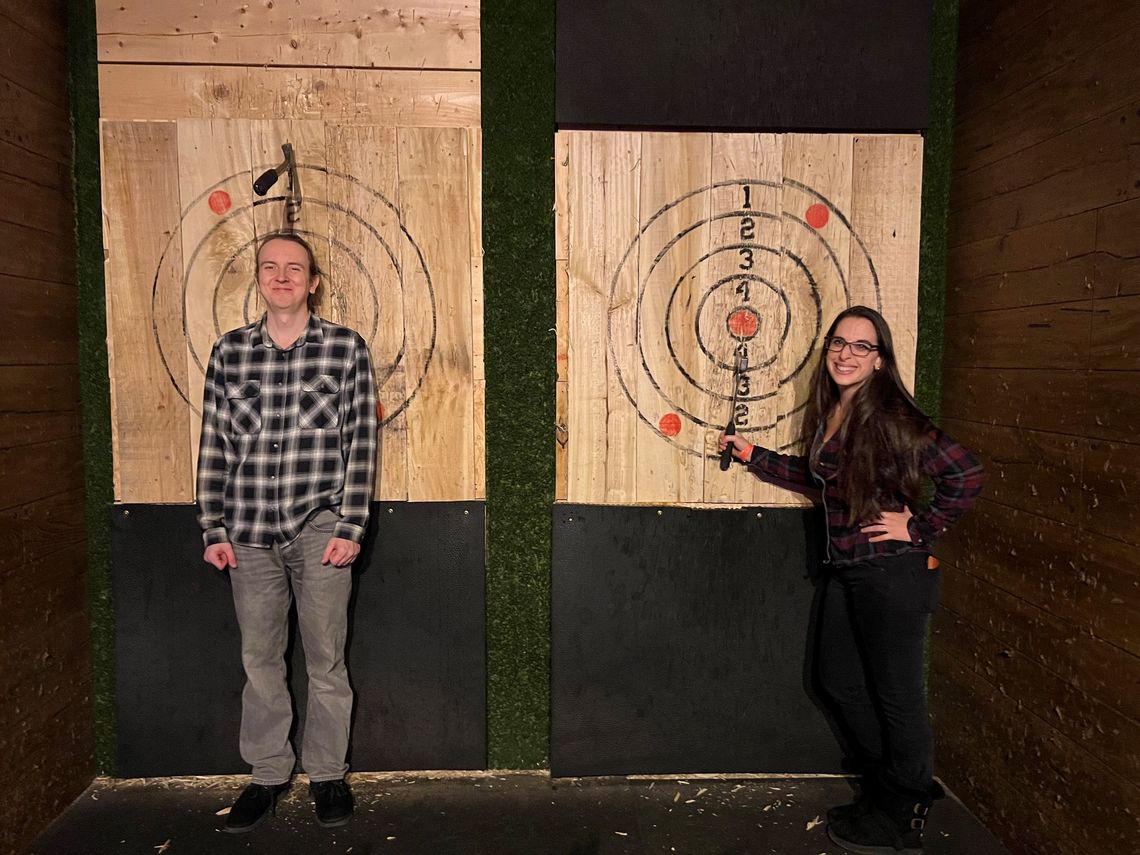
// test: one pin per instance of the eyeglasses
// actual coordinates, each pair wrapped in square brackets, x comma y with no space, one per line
[858,348]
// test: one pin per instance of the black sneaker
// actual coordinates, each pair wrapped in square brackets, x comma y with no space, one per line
[333,802]
[254,804]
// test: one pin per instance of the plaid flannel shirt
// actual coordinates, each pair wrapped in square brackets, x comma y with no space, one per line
[286,432]
[957,477]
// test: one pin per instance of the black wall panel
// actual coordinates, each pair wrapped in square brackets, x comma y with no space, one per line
[760,64]
[681,642]
[416,652]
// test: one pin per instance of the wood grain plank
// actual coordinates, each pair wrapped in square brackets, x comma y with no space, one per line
[18,429]
[44,257]
[672,165]
[561,375]
[356,33]
[1033,247]
[1048,564]
[33,123]
[1098,729]
[1026,469]
[587,307]
[38,529]
[886,195]
[1036,398]
[822,162]
[1115,330]
[1086,168]
[393,98]
[364,282]
[34,167]
[1095,83]
[39,388]
[621,153]
[43,21]
[1108,481]
[1054,813]
[1061,281]
[1113,405]
[1118,250]
[43,326]
[1055,335]
[433,198]
[36,64]
[474,139]
[1099,669]
[150,420]
[30,473]
[993,70]
[47,209]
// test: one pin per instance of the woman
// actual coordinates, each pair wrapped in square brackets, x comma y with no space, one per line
[870,449]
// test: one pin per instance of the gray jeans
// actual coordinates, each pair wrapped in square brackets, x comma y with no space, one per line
[264,583]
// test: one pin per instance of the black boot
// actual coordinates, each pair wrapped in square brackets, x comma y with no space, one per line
[333,802]
[254,804]
[893,825]
[864,802]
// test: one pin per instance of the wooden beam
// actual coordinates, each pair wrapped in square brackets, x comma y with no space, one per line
[354,33]
[397,98]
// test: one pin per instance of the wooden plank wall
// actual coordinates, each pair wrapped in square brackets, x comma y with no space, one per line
[46,739]
[1036,681]
[382,108]
[674,251]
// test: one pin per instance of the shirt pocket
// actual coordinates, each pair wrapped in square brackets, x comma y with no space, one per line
[320,402]
[245,406]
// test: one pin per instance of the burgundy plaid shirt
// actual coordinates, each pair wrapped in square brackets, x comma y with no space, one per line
[957,477]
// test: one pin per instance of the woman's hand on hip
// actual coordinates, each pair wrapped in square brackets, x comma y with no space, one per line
[891,525]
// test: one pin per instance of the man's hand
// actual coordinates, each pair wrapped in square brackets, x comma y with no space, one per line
[221,555]
[890,526]
[340,552]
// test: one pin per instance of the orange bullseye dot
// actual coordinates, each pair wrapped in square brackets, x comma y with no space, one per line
[670,424]
[219,202]
[817,216]
[743,323]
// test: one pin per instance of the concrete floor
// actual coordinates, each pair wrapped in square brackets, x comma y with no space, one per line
[488,814]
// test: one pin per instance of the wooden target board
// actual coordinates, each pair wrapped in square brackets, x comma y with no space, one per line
[676,252]
[394,217]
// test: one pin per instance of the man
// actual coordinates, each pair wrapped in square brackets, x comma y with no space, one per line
[285,468]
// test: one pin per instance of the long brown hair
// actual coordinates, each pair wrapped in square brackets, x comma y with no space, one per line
[881,438]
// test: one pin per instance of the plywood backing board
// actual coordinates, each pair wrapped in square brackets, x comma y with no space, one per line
[150,419]
[365,272]
[183,224]
[354,33]
[433,198]
[427,98]
[683,249]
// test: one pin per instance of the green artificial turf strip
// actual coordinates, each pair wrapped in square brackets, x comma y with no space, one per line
[94,380]
[518,287]
[938,149]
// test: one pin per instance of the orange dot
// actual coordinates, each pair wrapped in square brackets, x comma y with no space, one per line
[379,411]
[743,324]
[817,216]
[220,202]
[670,424]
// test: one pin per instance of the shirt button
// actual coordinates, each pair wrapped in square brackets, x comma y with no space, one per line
[275,445]
[272,477]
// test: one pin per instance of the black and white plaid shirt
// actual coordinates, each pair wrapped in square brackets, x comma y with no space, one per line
[286,433]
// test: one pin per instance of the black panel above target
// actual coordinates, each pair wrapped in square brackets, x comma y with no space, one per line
[741,64]
[681,642]
[415,654]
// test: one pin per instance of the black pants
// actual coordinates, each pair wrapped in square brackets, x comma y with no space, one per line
[871,655]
